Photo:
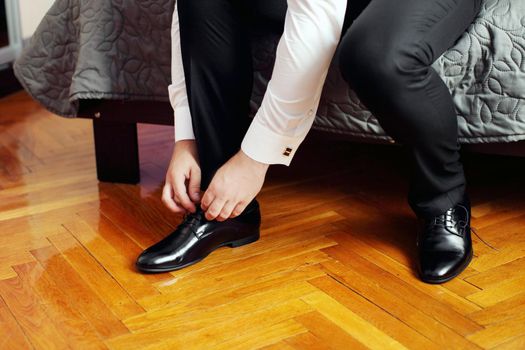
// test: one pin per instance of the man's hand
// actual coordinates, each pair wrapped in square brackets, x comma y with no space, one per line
[182,188]
[233,187]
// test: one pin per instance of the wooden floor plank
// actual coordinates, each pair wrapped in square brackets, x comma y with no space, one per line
[372,313]
[38,327]
[113,260]
[79,293]
[93,273]
[488,278]
[323,334]
[513,344]
[78,332]
[498,293]
[214,296]
[308,340]
[201,330]
[498,333]
[172,316]
[501,311]
[261,337]
[354,325]
[12,335]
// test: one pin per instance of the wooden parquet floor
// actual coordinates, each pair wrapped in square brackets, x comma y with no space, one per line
[334,268]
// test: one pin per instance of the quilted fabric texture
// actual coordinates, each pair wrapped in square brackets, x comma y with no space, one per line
[120,49]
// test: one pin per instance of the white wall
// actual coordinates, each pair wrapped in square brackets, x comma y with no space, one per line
[31,13]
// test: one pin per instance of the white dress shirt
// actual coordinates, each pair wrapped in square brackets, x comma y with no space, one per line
[312,31]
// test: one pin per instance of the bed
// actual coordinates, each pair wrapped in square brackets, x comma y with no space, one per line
[110,61]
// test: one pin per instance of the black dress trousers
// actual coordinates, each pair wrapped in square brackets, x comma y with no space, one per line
[386,51]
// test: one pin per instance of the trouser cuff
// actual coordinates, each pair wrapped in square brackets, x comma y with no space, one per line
[427,209]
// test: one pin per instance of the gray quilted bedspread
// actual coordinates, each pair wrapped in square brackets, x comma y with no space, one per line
[120,49]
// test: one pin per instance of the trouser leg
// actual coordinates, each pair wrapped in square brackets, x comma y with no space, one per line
[386,56]
[218,72]
[216,53]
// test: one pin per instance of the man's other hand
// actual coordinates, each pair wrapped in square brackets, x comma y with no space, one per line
[233,187]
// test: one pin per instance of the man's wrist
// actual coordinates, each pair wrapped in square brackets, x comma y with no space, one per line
[252,161]
[185,141]
[184,146]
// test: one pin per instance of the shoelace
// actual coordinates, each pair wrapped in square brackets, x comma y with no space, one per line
[445,219]
[448,217]
[482,240]
[193,218]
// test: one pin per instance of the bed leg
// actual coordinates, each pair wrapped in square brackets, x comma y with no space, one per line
[116,151]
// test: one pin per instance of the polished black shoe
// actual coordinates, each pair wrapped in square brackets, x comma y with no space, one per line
[196,237]
[444,244]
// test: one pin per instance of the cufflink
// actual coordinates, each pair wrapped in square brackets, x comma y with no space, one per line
[287,151]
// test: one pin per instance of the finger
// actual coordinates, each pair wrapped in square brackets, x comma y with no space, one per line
[215,208]
[207,198]
[239,208]
[181,194]
[194,186]
[168,201]
[226,210]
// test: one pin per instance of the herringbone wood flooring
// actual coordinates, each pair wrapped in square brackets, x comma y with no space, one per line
[334,268]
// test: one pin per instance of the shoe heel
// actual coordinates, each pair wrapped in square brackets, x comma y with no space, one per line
[243,241]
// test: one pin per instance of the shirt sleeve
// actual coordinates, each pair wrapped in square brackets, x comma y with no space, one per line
[178,97]
[311,34]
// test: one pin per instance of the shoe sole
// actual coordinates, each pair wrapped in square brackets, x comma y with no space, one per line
[460,270]
[232,244]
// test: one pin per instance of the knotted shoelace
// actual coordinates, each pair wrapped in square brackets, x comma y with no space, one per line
[448,218]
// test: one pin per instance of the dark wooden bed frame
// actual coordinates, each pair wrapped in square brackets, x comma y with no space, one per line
[116,143]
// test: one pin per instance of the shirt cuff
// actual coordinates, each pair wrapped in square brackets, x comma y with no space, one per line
[183,127]
[265,146]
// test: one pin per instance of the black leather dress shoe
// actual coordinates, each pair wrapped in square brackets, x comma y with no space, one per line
[444,244]
[196,237]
